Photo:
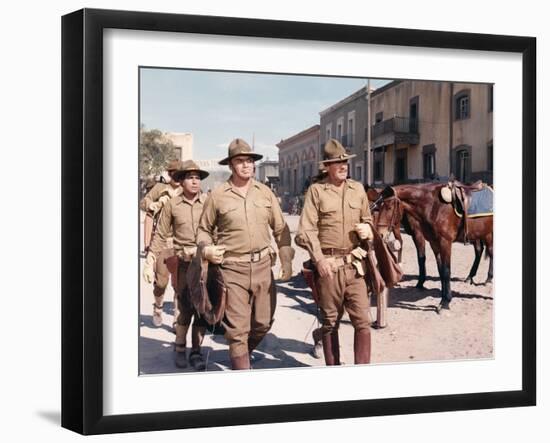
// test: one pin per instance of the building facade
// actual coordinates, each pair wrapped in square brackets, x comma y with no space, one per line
[346,121]
[298,161]
[183,144]
[267,172]
[426,130]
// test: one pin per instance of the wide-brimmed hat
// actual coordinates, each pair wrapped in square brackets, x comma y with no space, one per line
[173,165]
[335,152]
[189,166]
[239,147]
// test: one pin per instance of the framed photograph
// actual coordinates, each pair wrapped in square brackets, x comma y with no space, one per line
[144,94]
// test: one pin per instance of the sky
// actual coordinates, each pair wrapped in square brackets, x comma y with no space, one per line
[217,107]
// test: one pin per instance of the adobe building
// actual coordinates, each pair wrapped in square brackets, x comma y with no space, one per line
[183,144]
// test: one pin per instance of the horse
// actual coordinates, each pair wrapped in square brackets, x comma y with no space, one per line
[435,220]
[412,228]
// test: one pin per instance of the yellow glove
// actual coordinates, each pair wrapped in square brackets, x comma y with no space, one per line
[359,253]
[155,207]
[149,268]
[189,252]
[214,254]
[164,199]
[286,254]
[364,231]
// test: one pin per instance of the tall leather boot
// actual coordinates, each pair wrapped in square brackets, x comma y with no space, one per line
[240,362]
[158,292]
[361,346]
[253,342]
[195,357]
[331,348]
[180,358]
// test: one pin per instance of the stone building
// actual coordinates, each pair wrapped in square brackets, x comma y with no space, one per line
[428,130]
[298,161]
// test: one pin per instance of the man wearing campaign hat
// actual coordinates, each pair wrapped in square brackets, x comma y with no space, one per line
[180,220]
[334,219]
[155,270]
[241,212]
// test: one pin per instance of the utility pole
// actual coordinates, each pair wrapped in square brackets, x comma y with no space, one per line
[368,156]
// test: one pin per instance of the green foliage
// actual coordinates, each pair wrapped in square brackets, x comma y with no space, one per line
[155,150]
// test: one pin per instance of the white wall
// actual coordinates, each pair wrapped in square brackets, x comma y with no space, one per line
[30,320]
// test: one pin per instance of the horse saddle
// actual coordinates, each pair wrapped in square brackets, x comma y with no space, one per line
[207,289]
[468,200]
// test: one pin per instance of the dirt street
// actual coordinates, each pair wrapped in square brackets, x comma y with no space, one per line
[414,331]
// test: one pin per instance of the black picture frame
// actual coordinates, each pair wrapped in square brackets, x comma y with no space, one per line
[82,218]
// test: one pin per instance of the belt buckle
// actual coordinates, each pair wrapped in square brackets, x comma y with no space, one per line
[252,256]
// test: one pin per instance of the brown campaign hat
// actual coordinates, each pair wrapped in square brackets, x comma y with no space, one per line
[173,165]
[239,147]
[335,152]
[189,166]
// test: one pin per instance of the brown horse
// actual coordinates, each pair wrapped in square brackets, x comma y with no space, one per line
[412,227]
[434,220]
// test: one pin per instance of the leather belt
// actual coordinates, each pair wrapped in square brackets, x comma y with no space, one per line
[335,251]
[249,257]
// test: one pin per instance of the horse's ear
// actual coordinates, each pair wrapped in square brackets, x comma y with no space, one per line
[388,192]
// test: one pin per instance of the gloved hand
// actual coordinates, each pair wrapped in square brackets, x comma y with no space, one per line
[359,253]
[214,254]
[149,268]
[155,207]
[189,252]
[286,254]
[164,199]
[364,231]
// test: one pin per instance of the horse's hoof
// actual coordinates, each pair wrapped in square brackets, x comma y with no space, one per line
[442,306]
[375,325]
[420,286]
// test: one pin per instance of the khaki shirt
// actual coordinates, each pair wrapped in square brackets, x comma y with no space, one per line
[242,222]
[179,218]
[329,216]
[157,192]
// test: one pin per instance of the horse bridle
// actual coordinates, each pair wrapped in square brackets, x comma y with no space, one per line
[376,204]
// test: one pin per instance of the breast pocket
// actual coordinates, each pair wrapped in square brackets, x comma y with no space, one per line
[328,212]
[262,209]
[228,219]
[355,206]
[179,220]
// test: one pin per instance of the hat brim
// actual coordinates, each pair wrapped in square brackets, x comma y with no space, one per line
[337,159]
[255,156]
[180,175]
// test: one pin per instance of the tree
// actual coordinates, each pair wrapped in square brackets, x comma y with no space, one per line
[155,150]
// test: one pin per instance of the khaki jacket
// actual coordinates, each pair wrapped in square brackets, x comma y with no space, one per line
[157,192]
[329,216]
[243,223]
[179,219]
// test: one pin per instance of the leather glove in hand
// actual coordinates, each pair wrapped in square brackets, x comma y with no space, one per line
[364,231]
[149,268]
[286,254]
[214,254]
[189,252]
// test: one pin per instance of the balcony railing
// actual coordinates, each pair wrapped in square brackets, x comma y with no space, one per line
[403,125]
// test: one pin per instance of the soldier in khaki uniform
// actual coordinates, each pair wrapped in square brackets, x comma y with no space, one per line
[333,220]
[180,219]
[241,211]
[155,270]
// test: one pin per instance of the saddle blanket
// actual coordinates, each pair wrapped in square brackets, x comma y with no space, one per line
[481,203]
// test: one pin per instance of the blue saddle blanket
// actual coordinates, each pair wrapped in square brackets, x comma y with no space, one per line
[481,203]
